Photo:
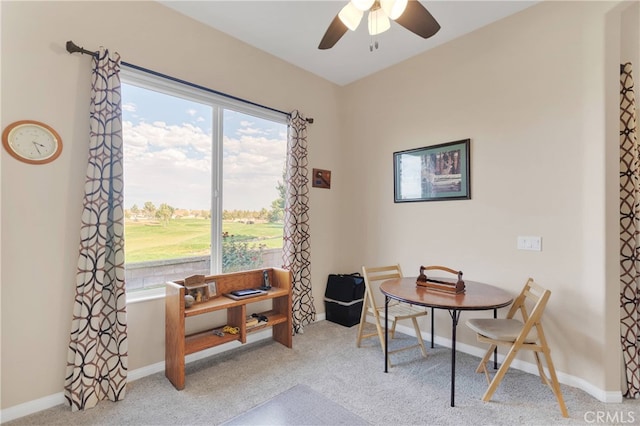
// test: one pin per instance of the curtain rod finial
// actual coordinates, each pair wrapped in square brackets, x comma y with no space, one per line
[71,47]
[74,48]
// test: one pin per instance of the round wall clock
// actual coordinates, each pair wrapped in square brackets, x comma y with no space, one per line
[32,142]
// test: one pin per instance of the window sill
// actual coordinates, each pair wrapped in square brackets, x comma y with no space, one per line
[145,295]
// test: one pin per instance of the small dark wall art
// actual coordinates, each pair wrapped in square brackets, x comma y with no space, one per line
[433,173]
[321,178]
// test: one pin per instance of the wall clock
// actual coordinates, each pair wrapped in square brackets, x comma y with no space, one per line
[32,142]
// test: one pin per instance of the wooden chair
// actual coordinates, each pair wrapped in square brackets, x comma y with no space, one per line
[397,311]
[518,335]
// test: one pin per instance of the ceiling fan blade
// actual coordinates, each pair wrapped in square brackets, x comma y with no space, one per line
[418,20]
[335,31]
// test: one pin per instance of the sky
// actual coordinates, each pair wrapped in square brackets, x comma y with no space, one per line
[168,153]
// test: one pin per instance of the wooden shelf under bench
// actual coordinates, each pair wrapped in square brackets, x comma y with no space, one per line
[178,344]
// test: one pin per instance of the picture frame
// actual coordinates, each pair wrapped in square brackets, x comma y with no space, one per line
[213,289]
[433,173]
[200,293]
[321,179]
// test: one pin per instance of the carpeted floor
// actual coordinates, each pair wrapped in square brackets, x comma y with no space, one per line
[325,360]
[299,405]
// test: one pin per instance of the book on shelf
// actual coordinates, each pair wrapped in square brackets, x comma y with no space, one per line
[245,294]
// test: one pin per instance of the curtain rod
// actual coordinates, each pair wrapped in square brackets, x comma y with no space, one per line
[74,48]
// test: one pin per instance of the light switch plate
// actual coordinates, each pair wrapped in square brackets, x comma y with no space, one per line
[530,243]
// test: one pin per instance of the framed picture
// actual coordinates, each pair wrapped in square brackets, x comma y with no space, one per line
[213,290]
[432,173]
[321,179]
[200,293]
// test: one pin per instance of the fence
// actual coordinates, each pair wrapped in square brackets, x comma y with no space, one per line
[144,275]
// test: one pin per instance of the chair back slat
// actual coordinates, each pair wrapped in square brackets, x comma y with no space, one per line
[372,277]
[393,271]
[381,277]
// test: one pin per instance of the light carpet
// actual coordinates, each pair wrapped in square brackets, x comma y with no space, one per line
[325,358]
[299,405]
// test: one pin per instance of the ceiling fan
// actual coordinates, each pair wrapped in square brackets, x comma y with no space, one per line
[411,14]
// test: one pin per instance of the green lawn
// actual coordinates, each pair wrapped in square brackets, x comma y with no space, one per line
[149,240]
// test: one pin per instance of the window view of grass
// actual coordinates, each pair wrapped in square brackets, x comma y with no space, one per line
[148,240]
[171,147]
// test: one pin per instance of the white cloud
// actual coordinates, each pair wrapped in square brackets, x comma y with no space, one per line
[130,107]
[172,164]
[250,131]
[192,112]
[249,128]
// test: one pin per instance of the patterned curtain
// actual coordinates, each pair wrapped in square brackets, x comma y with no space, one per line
[97,354]
[296,252]
[629,231]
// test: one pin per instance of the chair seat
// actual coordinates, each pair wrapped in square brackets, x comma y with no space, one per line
[503,329]
[402,310]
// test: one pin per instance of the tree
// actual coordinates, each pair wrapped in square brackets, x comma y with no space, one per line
[149,209]
[277,206]
[238,255]
[164,213]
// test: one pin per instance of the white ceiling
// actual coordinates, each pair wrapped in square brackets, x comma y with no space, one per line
[291,30]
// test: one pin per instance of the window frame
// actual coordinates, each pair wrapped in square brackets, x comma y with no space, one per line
[219,103]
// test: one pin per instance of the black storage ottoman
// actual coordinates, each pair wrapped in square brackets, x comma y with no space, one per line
[343,298]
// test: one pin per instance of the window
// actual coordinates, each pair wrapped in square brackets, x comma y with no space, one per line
[203,182]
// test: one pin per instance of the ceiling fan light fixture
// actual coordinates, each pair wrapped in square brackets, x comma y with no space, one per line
[410,14]
[393,8]
[378,22]
[350,16]
[362,4]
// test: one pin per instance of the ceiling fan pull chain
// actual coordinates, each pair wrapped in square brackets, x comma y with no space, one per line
[373,37]
[373,41]
[373,44]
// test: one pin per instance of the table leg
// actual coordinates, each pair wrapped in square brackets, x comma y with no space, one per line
[432,322]
[386,334]
[455,316]
[495,351]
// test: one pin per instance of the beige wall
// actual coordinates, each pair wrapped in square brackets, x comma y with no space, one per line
[42,204]
[531,92]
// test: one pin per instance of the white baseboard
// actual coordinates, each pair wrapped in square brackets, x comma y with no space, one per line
[40,404]
[31,407]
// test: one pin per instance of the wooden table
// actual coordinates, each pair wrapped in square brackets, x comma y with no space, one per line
[477,297]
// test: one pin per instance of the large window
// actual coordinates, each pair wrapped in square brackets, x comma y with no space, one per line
[204,182]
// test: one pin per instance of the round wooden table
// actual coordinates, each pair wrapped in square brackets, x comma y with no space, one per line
[476,297]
